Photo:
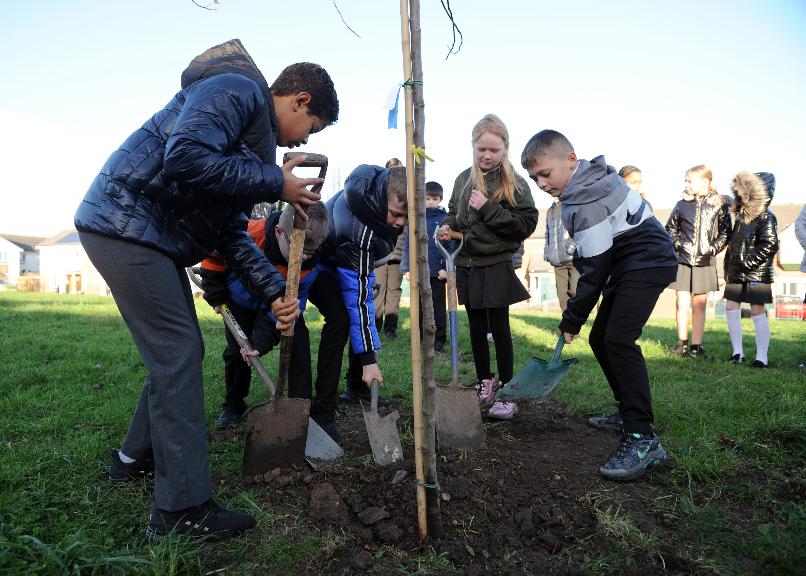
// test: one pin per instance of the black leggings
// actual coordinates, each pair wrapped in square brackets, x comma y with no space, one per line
[497,320]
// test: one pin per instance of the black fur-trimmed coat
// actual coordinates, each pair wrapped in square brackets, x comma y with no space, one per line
[754,239]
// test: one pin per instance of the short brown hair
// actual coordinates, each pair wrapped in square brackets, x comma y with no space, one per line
[544,142]
[316,228]
[396,184]
[393,162]
[313,79]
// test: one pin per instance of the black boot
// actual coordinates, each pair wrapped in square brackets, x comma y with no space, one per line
[390,330]
[379,323]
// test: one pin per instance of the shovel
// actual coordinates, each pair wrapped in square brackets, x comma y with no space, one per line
[459,423]
[320,448]
[277,432]
[538,378]
[382,431]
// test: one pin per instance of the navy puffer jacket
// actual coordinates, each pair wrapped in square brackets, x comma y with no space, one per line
[358,237]
[185,182]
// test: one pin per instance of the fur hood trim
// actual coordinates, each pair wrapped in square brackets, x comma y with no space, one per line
[754,193]
[713,198]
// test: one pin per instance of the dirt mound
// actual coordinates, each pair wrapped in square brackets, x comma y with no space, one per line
[530,502]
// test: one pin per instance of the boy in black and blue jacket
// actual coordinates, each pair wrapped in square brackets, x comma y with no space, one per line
[624,254]
[365,220]
[222,286]
[434,217]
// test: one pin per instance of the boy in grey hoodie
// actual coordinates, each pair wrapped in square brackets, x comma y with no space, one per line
[624,254]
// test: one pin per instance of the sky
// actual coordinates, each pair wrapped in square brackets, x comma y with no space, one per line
[660,85]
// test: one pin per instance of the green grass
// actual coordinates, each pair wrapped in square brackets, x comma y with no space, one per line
[70,376]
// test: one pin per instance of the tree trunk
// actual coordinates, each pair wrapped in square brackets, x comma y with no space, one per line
[428,442]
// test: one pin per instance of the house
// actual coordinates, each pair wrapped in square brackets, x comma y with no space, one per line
[18,256]
[64,267]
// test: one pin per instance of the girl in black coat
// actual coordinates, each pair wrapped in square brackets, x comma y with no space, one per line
[749,260]
[699,226]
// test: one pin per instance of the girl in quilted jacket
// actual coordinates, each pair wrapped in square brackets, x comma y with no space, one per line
[493,207]
[699,226]
[749,261]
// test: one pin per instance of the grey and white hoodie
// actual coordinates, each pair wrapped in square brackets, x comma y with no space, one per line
[614,232]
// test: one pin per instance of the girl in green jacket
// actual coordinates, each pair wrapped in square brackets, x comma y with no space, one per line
[493,208]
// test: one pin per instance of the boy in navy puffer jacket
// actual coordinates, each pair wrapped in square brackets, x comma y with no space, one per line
[222,286]
[623,253]
[179,188]
[434,217]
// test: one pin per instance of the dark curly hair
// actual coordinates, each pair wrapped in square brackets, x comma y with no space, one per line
[313,79]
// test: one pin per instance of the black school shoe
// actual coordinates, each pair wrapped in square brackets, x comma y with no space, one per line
[696,351]
[736,359]
[758,364]
[120,472]
[229,418]
[636,453]
[209,521]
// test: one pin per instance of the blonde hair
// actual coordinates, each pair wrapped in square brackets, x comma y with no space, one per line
[703,171]
[492,124]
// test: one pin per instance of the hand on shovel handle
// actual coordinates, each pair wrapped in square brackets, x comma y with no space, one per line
[370,374]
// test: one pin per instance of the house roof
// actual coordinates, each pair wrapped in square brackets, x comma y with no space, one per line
[26,243]
[65,237]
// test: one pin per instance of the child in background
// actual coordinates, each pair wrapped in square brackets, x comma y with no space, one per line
[749,261]
[623,253]
[434,216]
[559,252]
[634,178]
[800,234]
[699,226]
[222,286]
[493,207]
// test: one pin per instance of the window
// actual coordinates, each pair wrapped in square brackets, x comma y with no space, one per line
[3,258]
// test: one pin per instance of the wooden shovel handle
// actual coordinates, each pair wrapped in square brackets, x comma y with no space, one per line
[243,342]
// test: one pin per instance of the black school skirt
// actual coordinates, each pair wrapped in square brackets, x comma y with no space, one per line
[494,286]
[750,292]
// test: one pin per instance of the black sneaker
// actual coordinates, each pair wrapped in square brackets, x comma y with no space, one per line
[391,335]
[209,521]
[612,423]
[229,418]
[736,359]
[636,454]
[353,397]
[758,364]
[680,348]
[696,351]
[120,472]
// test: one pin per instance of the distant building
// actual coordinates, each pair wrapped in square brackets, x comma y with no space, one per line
[64,267]
[18,256]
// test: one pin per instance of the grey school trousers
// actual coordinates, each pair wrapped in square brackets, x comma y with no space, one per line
[153,296]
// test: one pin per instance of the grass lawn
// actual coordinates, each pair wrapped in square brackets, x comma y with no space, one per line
[70,377]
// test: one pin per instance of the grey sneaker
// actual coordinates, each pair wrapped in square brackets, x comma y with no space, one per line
[636,454]
[612,423]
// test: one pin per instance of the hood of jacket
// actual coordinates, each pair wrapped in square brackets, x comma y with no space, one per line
[592,181]
[365,195]
[227,58]
[754,193]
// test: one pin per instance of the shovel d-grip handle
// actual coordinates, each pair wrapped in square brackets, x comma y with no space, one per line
[311,161]
[243,342]
[450,257]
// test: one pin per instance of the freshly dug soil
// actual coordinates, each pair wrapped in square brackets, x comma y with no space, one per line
[530,502]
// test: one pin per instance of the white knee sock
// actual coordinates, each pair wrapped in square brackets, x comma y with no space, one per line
[762,336]
[735,330]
